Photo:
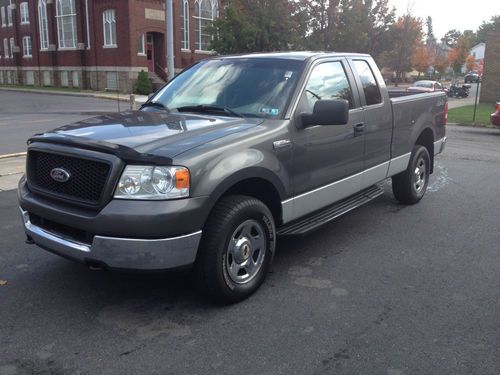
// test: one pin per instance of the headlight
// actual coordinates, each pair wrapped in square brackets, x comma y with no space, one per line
[155,183]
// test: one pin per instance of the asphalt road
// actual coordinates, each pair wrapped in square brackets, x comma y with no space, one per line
[385,289]
[24,114]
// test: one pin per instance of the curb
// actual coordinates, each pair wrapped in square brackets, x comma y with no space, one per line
[70,93]
[15,155]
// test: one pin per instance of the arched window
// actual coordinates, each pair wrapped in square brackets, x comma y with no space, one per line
[42,24]
[109,26]
[185,25]
[205,12]
[66,23]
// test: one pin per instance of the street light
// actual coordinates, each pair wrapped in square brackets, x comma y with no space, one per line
[170,38]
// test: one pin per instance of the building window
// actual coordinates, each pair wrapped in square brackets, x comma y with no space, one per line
[205,12]
[76,79]
[27,47]
[109,25]
[47,79]
[12,44]
[44,29]
[29,78]
[9,15]
[141,49]
[25,14]
[66,23]
[185,25]
[112,81]
[64,78]
[4,23]
[6,48]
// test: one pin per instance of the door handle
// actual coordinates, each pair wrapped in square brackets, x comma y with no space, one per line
[359,129]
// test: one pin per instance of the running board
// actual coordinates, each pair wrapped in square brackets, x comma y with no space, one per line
[319,218]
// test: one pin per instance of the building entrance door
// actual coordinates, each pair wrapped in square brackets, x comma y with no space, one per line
[150,52]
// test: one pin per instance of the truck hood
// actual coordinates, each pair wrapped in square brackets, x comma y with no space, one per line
[149,132]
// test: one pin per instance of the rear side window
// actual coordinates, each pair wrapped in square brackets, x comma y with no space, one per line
[370,87]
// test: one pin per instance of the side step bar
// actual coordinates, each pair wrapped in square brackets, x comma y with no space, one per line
[319,218]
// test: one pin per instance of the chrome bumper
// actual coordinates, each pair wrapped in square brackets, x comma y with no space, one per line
[122,253]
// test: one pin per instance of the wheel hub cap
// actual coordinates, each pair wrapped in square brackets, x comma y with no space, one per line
[420,175]
[246,252]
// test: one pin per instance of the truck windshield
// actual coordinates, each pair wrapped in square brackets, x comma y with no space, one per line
[250,87]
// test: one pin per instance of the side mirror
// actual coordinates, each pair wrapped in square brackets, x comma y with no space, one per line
[327,112]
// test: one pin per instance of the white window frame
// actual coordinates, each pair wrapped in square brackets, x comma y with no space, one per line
[141,45]
[25,13]
[109,25]
[198,19]
[27,47]
[6,48]
[12,45]
[43,25]
[9,15]
[4,20]
[64,26]
[185,42]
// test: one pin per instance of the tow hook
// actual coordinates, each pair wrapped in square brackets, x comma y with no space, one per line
[29,240]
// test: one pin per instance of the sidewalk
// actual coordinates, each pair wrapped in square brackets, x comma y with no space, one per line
[11,170]
[139,99]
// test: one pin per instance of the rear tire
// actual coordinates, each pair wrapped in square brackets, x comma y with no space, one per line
[410,186]
[236,250]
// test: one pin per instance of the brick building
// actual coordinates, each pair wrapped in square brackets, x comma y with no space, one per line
[98,44]
[490,86]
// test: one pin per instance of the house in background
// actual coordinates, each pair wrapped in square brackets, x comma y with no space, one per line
[98,44]
[478,52]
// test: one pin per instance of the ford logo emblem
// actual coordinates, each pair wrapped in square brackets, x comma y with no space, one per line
[60,175]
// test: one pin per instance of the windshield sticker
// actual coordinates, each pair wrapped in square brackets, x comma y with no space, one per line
[288,75]
[271,111]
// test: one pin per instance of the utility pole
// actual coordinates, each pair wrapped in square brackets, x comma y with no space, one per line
[170,38]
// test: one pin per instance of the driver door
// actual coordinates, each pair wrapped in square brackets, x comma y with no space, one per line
[327,159]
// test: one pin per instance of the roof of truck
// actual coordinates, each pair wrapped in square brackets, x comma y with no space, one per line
[293,55]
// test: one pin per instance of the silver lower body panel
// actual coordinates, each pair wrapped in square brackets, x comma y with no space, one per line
[120,253]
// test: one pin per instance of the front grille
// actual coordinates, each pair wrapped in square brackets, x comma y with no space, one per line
[86,184]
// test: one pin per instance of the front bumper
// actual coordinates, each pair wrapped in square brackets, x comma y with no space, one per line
[120,253]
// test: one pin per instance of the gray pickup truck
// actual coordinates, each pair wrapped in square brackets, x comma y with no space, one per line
[231,154]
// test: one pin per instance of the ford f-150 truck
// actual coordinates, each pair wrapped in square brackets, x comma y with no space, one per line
[232,153]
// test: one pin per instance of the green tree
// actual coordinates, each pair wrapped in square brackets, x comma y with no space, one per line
[258,25]
[486,27]
[407,34]
[143,85]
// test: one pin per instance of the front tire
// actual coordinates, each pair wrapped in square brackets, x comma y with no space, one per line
[410,186]
[236,250]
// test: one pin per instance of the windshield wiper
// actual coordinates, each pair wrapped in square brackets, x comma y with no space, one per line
[155,105]
[209,108]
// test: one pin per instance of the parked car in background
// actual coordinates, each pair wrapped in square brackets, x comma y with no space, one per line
[472,77]
[426,86]
[495,117]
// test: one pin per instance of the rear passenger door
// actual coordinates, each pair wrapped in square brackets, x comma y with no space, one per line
[378,118]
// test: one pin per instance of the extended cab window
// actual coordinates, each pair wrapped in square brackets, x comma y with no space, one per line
[370,87]
[327,81]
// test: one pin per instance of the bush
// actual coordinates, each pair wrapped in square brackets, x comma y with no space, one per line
[143,84]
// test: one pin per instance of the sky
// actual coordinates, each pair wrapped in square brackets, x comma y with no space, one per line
[450,14]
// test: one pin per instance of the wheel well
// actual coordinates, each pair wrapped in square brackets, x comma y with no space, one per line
[261,189]
[426,139]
